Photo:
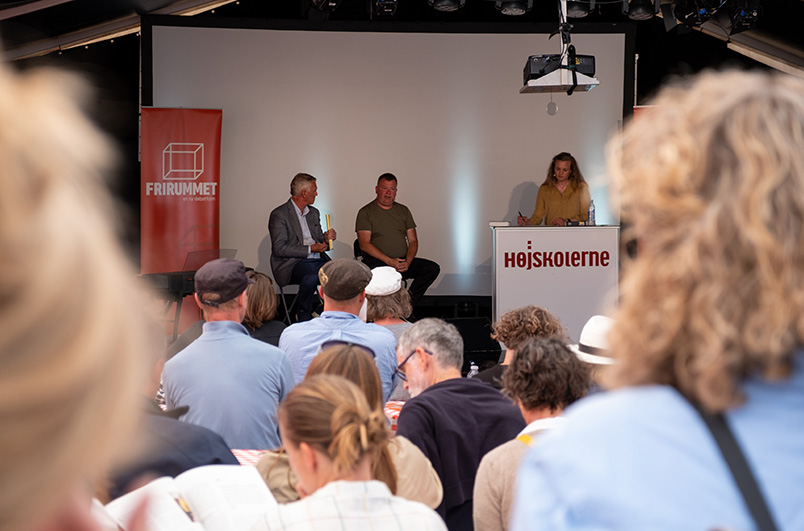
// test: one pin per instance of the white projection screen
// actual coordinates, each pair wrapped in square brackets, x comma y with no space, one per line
[442,111]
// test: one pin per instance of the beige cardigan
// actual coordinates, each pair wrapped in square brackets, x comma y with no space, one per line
[496,476]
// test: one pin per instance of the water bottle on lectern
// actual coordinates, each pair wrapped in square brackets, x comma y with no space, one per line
[591,219]
[473,370]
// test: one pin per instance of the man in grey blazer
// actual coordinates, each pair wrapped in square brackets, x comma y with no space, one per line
[298,244]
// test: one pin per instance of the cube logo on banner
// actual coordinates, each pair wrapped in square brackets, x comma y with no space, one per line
[182,161]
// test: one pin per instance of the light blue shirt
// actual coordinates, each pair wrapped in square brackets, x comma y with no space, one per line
[300,341]
[642,458]
[233,384]
[307,237]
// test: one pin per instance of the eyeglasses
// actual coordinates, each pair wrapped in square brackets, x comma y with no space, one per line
[339,342]
[398,370]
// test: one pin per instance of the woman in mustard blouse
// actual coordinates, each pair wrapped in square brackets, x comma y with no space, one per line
[564,195]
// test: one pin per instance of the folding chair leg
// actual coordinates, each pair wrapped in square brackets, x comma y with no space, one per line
[289,319]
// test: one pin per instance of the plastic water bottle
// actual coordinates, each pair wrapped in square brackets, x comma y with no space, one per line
[591,219]
[473,370]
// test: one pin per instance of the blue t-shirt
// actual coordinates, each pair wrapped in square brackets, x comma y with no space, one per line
[300,341]
[233,384]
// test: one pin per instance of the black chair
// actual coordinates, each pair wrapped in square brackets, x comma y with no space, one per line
[287,307]
[283,300]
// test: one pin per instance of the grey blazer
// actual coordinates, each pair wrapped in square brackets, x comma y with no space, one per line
[287,248]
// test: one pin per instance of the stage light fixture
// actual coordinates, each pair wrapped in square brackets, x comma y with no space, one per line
[514,7]
[696,12]
[579,9]
[325,5]
[641,9]
[385,8]
[668,17]
[446,5]
[743,14]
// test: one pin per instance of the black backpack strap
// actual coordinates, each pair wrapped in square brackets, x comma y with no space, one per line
[740,470]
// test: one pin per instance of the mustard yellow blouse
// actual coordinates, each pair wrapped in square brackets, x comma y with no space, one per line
[552,204]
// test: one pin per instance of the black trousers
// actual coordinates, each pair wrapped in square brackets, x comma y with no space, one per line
[421,270]
[305,274]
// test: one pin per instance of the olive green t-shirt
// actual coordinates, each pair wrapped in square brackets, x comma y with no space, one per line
[389,228]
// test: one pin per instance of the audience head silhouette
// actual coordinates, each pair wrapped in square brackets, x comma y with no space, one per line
[262,300]
[711,182]
[74,338]
[545,375]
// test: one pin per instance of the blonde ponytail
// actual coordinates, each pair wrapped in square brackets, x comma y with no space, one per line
[359,368]
[331,414]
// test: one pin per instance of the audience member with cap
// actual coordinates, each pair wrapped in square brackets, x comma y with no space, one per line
[389,306]
[513,329]
[231,382]
[343,289]
[455,421]
[543,378]
[259,319]
[388,300]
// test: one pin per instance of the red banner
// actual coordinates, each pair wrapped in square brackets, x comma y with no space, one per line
[180,186]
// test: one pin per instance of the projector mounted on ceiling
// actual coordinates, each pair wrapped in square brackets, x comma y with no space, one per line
[564,72]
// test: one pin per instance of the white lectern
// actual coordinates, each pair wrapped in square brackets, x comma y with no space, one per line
[571,271]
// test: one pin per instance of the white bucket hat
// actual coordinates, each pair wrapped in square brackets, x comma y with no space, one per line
[593,346]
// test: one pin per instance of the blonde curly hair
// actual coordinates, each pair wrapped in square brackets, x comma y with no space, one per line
[712,188]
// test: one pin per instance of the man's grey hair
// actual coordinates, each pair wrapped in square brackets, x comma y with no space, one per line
[300,182]
[437,336]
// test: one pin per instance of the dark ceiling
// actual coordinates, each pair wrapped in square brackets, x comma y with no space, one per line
[26,21]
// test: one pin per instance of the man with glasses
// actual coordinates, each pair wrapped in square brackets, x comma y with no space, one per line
[387,236]
[343,289]
[455,421]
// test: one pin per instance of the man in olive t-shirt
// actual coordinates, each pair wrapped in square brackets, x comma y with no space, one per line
[386,233]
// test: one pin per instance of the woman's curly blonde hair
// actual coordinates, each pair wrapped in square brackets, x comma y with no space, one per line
[712,188]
